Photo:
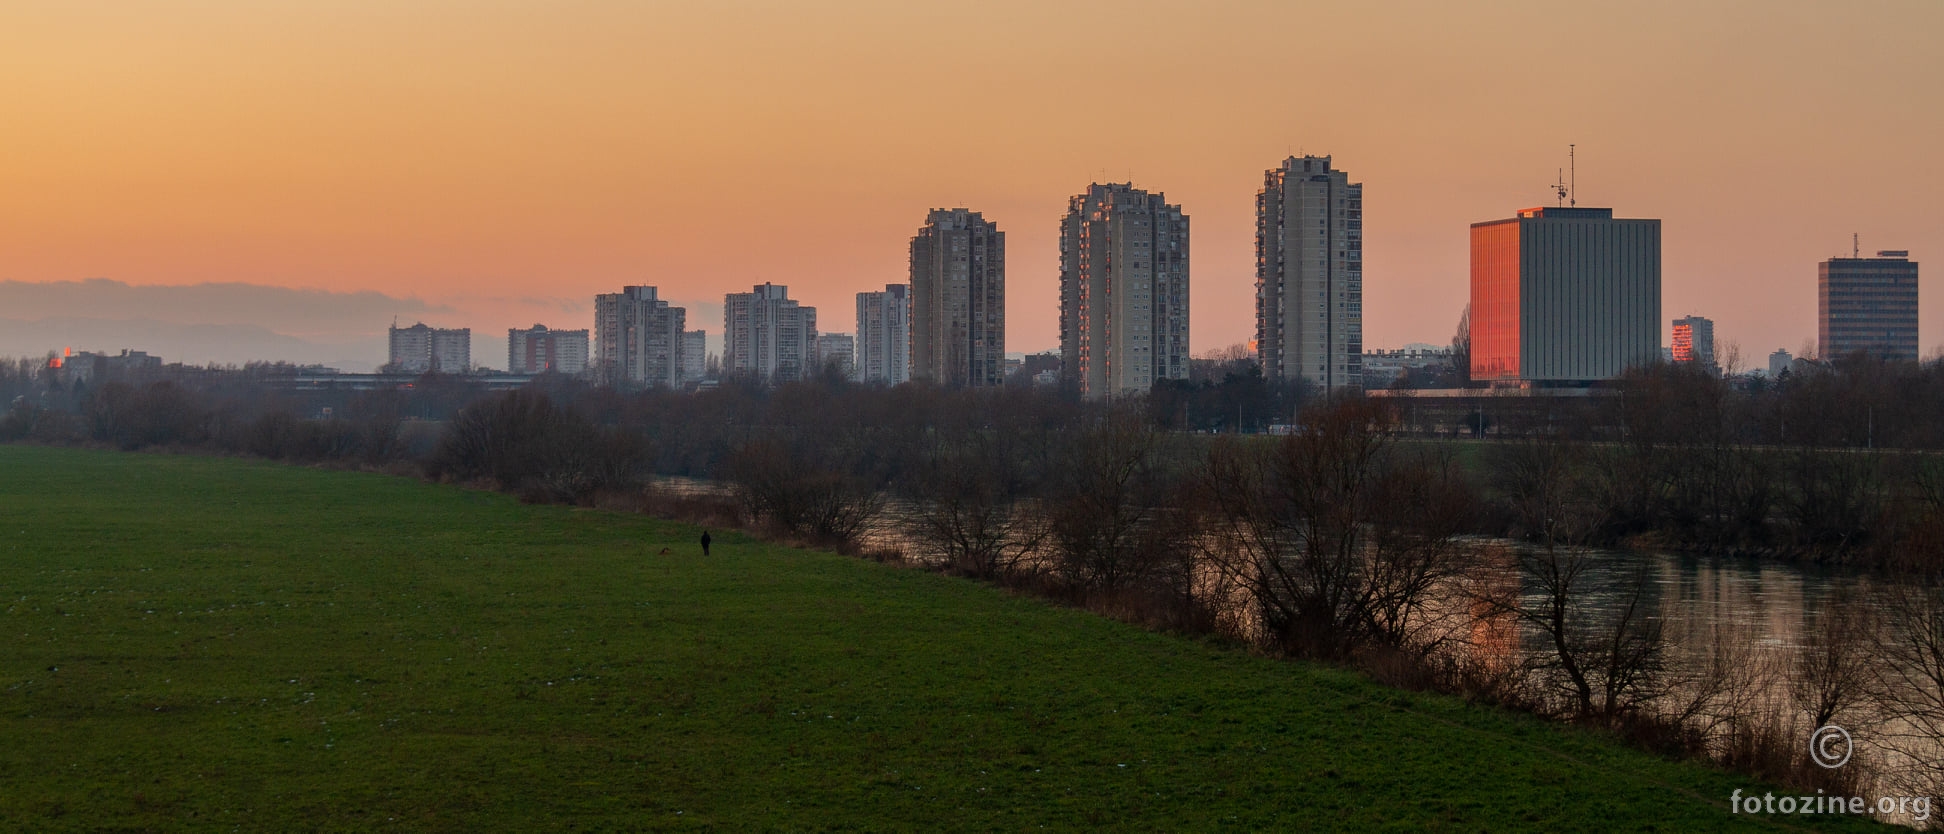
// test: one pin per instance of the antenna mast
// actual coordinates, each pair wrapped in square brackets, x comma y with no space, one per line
[1856,245]
[1559,187]
[1572,185]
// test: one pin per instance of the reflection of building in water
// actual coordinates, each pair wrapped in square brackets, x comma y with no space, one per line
[1494,638]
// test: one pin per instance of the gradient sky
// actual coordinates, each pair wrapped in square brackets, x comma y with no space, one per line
[478,153]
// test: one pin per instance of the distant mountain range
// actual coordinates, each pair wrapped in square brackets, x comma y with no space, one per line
[195,344]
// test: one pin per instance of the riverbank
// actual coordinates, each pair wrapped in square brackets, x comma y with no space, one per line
[200,642]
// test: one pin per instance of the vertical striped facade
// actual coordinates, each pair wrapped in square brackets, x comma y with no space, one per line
[1564,295]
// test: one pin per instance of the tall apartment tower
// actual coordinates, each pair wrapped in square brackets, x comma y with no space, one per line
[1867,305]
[767,334]
[1123,291]
[638,339]
[958,300]
[884,335]
[1309,274]
[1564,296]
[420,349]
[1694,342]
[538,350]
[837,349]
[695,355]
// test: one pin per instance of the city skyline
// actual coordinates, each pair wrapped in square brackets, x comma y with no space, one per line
[471,159]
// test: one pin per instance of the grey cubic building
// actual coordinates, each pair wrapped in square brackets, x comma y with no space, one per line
[1123,291]
[884,335]
[1309,274]
[539,350]
[768,335]
[1564,296]
[638,339]
[1867,305]
[958,300]
[420,349]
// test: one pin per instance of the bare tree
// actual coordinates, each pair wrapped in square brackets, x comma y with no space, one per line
[1602,666]
[1832,671]
[1910,677]
[1340,543]
[1105,499]
[974,511]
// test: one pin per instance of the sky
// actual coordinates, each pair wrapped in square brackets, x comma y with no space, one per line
[496,164]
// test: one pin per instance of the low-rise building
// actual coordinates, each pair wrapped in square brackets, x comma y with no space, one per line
[539,350]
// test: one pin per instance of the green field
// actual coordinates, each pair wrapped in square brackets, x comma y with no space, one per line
[194,643]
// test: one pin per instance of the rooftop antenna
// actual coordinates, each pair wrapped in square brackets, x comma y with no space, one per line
[1559,186]
[1856,245]
[1572,183]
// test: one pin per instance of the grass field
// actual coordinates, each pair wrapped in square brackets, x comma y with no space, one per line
[195,643]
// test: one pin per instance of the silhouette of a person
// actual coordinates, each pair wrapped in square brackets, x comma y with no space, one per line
[705,542]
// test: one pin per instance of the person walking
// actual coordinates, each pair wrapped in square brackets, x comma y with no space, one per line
[705,542]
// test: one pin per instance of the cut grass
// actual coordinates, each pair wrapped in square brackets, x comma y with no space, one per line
[194,642]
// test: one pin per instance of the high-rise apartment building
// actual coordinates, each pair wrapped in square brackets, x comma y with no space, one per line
[768,335]
[638,339]
[539,350]
[958,300]
[1309,274]
[1867,305]
[1123,291]
[837,349]
[1694,342]
[1779,361]
[1563,296]
[884,335]
[420,349]
[695,356]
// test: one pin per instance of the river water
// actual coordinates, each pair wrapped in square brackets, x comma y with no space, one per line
[1764,610]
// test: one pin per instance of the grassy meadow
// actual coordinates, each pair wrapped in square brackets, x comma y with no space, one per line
[191,643]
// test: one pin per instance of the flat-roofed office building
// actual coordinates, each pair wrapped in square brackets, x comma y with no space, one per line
[1563,296]
[1867,305]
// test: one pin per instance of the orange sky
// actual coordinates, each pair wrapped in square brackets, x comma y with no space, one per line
[473,152]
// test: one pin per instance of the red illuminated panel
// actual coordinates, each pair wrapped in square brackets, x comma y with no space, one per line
[1495,300]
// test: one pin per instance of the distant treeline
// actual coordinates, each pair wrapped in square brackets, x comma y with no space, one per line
[1833,464]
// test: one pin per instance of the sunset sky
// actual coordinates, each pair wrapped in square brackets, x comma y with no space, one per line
[507,159]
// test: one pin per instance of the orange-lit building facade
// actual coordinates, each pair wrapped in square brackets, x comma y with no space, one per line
[1563,296]
[1693,342]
